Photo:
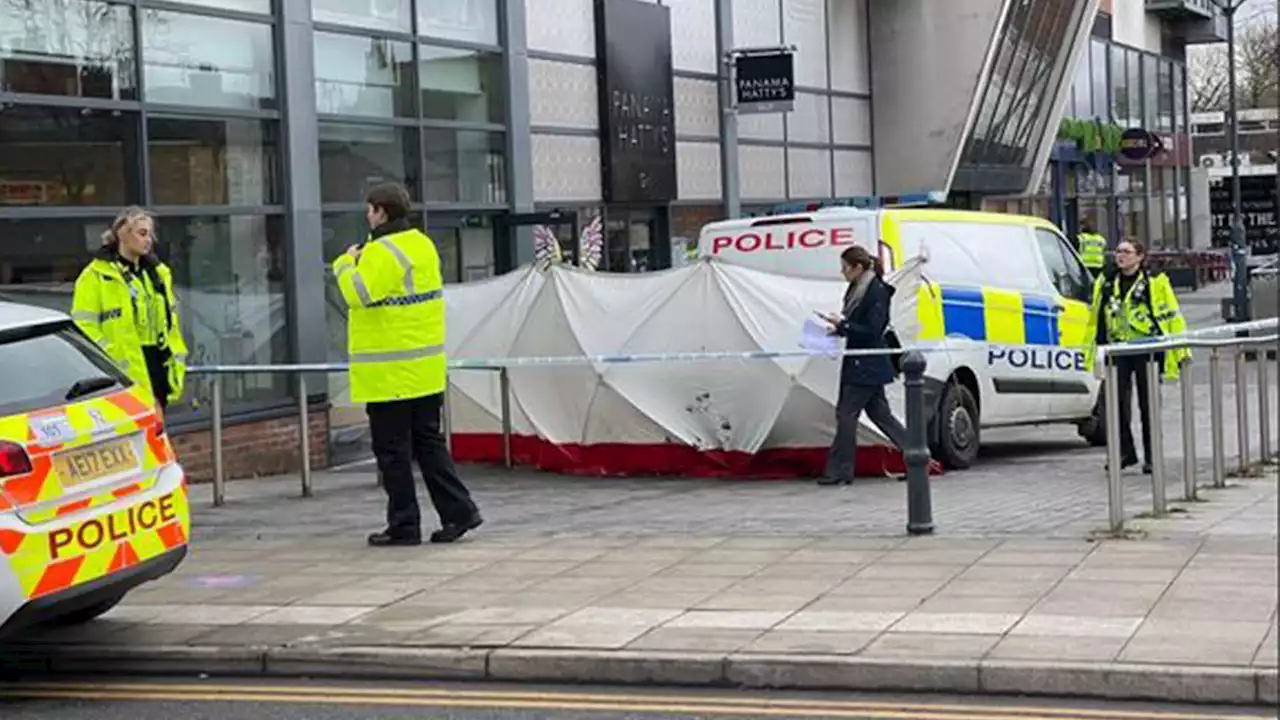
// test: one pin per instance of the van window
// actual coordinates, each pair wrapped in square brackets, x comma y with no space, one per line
[976,254]
[1069,277]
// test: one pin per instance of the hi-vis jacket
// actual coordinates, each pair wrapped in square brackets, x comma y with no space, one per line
[123,311]
[1149,310]
[396,325]
[1093,250]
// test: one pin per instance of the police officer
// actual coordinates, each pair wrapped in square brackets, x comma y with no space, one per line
[1093,248]
[124,302]
[1131,304]
[395,338]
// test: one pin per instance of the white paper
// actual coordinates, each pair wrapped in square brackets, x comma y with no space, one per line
[816,337]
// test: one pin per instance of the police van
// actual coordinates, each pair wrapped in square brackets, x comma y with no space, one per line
[1004,304]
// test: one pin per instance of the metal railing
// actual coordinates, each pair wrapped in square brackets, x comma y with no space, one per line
[1152,353]
[916,455]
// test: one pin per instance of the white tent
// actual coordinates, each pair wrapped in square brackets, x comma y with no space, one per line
[772,417]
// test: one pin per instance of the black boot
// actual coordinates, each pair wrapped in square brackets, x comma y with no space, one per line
[386,539]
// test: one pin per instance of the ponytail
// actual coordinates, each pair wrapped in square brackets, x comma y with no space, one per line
[111,236]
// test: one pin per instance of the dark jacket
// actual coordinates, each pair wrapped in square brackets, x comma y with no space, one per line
[864,329]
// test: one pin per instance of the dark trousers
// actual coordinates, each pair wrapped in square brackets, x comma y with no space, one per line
[408,430]
[1131,370]
[855,400]
[157,373]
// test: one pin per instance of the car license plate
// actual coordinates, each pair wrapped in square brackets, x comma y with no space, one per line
[84,465]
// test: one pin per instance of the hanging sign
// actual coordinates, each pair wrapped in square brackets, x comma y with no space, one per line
[764,80]
[1139,144]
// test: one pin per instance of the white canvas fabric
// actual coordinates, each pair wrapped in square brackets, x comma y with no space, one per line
[736,405]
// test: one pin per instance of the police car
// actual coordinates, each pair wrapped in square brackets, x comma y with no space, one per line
[92,500]
[1004,306]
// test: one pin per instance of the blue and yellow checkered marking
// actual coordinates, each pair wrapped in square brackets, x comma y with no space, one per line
[1004,317]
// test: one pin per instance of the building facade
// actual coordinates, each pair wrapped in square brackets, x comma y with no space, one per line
[253,129]
[1132,76]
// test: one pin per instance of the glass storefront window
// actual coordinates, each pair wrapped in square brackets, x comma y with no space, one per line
[466,253]
[68,156]
[1133,218]
[1164,101]
[389,15]
[262,7]
[354,158]
[1082,89]
[197,60]
[363,76]
[1119,86]
[73,47]
[472,21]
[213,162]
[1135,88]
[1179,106]
[465,166]
[40,259]
[465,85]
[1150,90]
[228,273]
[1155,217]
[1098,79]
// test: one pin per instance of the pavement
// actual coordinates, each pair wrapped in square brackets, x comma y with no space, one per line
[755,584]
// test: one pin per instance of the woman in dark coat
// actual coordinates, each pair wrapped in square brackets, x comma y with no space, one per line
[862,324]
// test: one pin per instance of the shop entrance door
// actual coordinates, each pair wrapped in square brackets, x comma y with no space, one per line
[515,233]
[636,239]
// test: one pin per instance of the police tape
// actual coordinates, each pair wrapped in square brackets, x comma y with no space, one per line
[1071,356]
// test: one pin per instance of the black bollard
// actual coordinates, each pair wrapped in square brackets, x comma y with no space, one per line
[916,453]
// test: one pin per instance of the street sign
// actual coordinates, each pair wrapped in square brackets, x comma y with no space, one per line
[764,80]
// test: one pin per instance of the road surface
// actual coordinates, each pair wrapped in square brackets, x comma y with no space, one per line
[154,699]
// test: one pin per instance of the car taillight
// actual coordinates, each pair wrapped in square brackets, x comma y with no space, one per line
[13,460]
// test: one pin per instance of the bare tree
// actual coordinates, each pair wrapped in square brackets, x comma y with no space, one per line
[1257,67]
[1207,79]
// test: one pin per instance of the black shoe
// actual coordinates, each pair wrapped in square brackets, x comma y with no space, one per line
[827,481]
[386,539]
[1146,468]
[1125,463]
[453,531]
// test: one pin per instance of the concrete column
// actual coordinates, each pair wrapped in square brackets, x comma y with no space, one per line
[519,127]
[301,143]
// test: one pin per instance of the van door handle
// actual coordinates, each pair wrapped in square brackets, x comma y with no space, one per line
[1057,309]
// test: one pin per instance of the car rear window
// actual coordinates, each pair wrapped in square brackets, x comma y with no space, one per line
[41,365]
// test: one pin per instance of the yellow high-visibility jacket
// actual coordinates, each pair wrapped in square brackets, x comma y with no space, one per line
[1093,250]
[396,323]
[1148,310]
[122,311]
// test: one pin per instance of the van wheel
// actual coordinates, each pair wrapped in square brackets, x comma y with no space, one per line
[90,612]
[958,435]
[1094,428]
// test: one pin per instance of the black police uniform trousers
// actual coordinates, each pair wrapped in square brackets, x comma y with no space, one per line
[408,430]
[1131,371]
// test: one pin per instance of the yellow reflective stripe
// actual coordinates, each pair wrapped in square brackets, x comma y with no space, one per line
[98,316]
[357,283]
[397,355]
[405,263]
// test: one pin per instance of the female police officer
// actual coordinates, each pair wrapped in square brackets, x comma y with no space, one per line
[1131,304]
[124,302]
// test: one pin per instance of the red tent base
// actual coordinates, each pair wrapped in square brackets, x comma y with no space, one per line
[628,459]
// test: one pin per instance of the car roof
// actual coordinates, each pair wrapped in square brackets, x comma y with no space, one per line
[17,315]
